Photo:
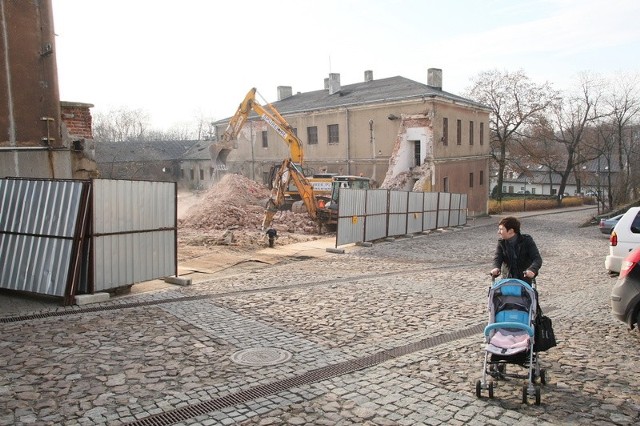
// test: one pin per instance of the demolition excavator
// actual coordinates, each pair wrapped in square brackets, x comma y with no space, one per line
[289,171]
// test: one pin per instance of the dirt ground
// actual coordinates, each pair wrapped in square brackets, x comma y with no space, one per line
[227,219]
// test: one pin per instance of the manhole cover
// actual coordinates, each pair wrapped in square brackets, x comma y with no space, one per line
[261,356]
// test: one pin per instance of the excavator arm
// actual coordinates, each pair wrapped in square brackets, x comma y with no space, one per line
[290,168]
[271,116]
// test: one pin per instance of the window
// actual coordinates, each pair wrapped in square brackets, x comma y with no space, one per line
[182,173]
[332,132]
[470,180]
[265,141]
[201,174]
[481,181]
[192,174]
[445,131]
[312,135]
[481,133]
[471,133]
[459,132]
[445,184]
[210,172]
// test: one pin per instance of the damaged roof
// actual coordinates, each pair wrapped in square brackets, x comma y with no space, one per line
[392,89]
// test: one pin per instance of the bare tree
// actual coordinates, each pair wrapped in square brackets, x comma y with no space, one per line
[624,102]
[516,103]
[120,125]
[570,120]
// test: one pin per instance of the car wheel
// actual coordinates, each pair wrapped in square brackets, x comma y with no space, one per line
[638,320]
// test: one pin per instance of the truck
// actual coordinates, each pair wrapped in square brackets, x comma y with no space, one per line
[320,204]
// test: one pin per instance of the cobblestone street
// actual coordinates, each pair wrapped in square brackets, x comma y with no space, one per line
[383,335]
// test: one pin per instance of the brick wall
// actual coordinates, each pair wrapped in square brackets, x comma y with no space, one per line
[77,118]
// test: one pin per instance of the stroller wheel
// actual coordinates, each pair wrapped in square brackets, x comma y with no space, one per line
[491,389]
[479,389]
[537,395]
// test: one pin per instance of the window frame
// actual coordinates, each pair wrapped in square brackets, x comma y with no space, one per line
[333,134]
[312,135]
[445,131]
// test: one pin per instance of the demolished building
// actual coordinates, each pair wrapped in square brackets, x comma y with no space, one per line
[403,132]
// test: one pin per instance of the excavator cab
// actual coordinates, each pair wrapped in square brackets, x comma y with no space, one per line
[349,182]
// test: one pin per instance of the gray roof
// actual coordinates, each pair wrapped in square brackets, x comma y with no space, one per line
[109,152]
[367,92]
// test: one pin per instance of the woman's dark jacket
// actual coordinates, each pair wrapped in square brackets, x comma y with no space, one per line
[526,256]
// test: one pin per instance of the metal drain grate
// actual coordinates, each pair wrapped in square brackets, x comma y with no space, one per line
[317,375]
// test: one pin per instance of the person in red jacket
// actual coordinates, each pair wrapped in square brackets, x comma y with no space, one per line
[516,255]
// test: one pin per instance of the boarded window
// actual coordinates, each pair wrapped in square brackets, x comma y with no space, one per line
[332,132]
[265,141]
[470,180]
[459,132]
[481,133]
[481,178]
[471,133]
[445,184]
[201,174]
[312,135]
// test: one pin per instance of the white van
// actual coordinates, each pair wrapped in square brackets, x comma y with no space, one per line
[624,238]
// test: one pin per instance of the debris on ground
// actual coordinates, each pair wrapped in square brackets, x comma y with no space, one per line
[230,213]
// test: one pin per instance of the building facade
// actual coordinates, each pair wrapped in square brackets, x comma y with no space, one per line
[373,127]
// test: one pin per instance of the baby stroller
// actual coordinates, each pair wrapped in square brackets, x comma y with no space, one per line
[513,306]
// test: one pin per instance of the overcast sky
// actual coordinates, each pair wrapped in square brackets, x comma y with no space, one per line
[182,60]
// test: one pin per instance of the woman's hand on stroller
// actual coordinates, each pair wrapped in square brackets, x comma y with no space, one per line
[529,274]
[494,272]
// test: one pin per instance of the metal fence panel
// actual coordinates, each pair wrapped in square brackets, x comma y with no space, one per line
[376,214]
[444,205]
[414,213]
[454,210]
[398,212]
[134,232]
[351,211]
[430,217]
[38,241]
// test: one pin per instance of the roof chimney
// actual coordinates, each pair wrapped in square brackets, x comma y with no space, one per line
[368,75]
[284,92]
[326,84]
[334,83]
[434,78]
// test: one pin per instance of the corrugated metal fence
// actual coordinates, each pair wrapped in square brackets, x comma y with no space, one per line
[64,237]
[368,215]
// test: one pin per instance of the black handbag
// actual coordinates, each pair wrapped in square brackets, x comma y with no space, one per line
[544,338]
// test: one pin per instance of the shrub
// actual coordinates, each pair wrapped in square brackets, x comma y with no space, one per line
[520,205]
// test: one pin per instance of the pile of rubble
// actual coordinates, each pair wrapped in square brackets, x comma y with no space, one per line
[231,213]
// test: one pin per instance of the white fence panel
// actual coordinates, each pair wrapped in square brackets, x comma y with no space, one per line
[398,212]
[376,214]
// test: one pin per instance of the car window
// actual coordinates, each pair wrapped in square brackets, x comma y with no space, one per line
[635,226]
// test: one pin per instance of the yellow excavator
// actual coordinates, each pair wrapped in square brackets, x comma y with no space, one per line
[291,168]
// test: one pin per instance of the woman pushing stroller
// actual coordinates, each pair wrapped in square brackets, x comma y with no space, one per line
[516,252]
